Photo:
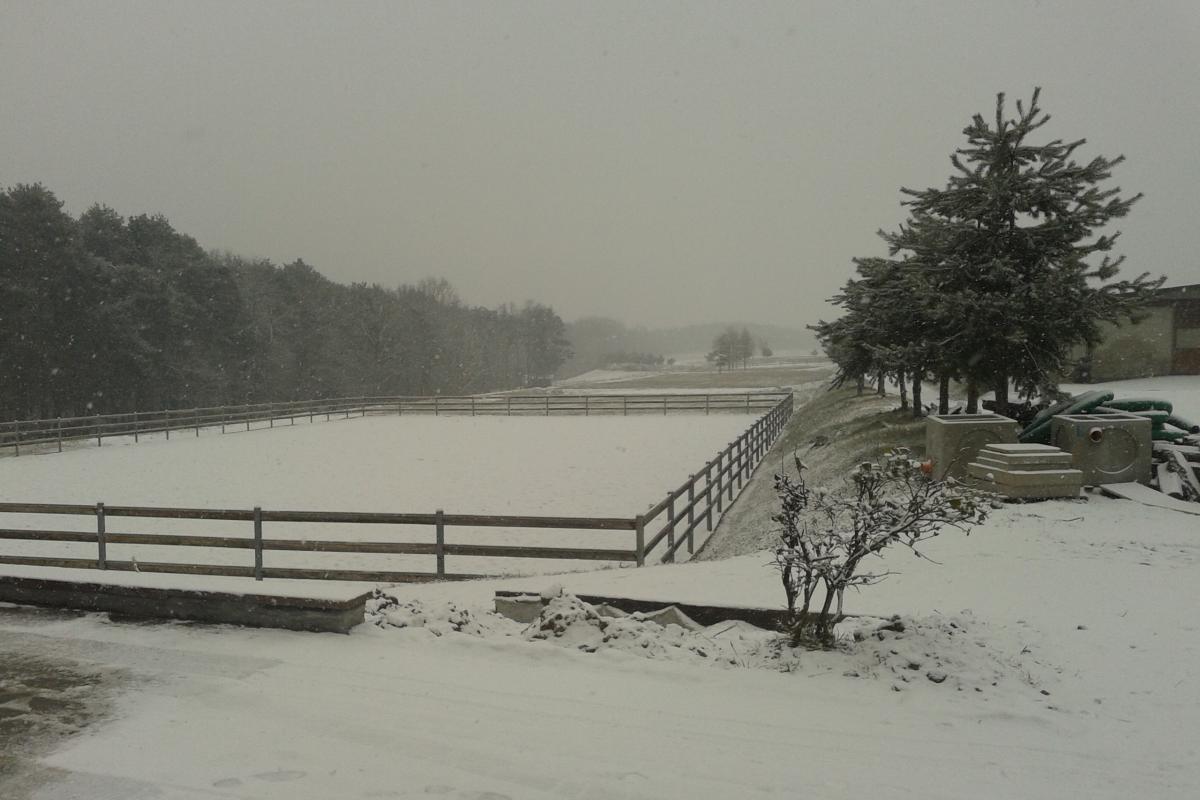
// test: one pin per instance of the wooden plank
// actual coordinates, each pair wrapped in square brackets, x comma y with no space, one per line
[38,561]
[47,508]
[48,536]
[129,566]
[1147,496]
[180,513]
[570,523]
[1186,471]
[367,517]
[577,553]
[363,575]
[1169,483]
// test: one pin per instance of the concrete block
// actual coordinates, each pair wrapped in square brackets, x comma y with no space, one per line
[1051,478]
[1039,492]
[1107,448]
[1057,460]
[251,609]
[953,440]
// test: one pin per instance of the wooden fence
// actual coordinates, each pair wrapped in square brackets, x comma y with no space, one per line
[51,434]
[699,500]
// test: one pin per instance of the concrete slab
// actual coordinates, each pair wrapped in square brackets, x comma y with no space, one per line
[335,612]
[525,607]
[1006,478]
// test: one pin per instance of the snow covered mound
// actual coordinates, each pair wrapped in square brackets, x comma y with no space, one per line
[436,618]
[955,652]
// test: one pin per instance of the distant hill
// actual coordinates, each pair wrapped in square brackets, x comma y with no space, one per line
[594,340]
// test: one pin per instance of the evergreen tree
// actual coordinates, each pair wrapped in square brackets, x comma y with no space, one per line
[992,280]
[1006,246]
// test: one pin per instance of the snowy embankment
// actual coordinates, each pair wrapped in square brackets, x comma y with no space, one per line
[535,466]
[1052,652]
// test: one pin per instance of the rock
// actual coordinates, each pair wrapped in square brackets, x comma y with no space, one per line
[850,674]
[936,675]
[894,625]
[1081,627]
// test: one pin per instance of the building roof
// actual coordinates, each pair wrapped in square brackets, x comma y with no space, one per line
[1190,291]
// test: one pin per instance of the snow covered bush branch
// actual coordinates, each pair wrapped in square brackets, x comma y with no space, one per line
[825,536]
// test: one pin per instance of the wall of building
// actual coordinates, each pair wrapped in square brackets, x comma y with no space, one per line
[1136,350]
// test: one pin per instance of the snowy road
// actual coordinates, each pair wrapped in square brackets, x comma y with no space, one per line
[240,714]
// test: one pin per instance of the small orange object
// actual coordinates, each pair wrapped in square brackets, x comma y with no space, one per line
[927,467]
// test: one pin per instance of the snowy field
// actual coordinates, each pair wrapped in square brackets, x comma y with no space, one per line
[531,466]
[1062,634]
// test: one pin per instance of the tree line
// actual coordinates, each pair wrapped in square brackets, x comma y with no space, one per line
[731,347]
[107,314]
[988,282]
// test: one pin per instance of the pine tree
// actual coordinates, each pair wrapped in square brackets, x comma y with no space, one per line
[1006,246]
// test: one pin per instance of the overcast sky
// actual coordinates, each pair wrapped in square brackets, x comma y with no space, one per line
[663,163]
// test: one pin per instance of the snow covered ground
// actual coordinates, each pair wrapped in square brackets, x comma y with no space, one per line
[1182,390]
[1056,653]
[569,466]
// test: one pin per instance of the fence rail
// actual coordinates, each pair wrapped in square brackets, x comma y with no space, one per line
[31,433]
[699,500]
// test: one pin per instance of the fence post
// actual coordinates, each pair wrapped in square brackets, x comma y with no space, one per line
[587,405]
[708,495]
[99,431]
[508,406]
[664,405]
[729,486]
[135,427]
[547,405]
[441,544]
[472,405]
[58,429]
[747,402]
[435,405]
[691,513]
[270,415]
[17,434]
[625,405]
[720,487]
[706,399]
[671,522]
[640,539]
[167,424]
[224,417]
[102,559]
[258,544]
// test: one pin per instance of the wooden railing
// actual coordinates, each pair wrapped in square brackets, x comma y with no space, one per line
[712,488]
[43,434]
[701,499]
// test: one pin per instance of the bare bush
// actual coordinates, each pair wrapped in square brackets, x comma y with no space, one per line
[825,536]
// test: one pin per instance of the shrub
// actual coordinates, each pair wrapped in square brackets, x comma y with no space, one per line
[826,536]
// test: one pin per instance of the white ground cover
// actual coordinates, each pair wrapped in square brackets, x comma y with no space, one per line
[530,466]
[1182,390]
[1056,648]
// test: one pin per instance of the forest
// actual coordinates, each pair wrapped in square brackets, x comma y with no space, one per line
[103,313]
